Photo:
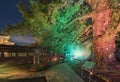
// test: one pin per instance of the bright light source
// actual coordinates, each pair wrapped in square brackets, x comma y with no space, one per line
[77,54]
[54,59]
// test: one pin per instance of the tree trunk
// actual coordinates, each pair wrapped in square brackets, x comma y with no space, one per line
[103,38]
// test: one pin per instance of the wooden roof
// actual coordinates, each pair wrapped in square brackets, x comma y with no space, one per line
[14,48]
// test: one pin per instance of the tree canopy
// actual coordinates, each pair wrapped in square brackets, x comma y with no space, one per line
[52,23]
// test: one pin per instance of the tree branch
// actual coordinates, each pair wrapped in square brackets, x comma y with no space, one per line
[64,4]
[84,34]
[117,29]
[87,30]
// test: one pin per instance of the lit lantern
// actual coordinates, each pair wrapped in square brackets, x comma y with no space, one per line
[55,59]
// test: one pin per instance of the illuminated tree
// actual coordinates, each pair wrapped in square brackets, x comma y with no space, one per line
[17,29]
[60,23]
[105,27]
[50,23]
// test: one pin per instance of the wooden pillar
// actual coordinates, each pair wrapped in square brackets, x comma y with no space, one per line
[27,53]
[16,54]
[10,54]
[38,61]
[37,56]
[34,59]
[2,55]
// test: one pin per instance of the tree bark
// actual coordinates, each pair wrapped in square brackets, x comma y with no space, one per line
[103,35]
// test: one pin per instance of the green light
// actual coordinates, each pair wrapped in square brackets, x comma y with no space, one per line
[75,52]
[71,58]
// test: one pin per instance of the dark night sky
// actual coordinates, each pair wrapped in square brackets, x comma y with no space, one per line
[9,13]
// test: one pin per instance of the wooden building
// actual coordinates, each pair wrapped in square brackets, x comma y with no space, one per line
[10,52]
[18,53]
